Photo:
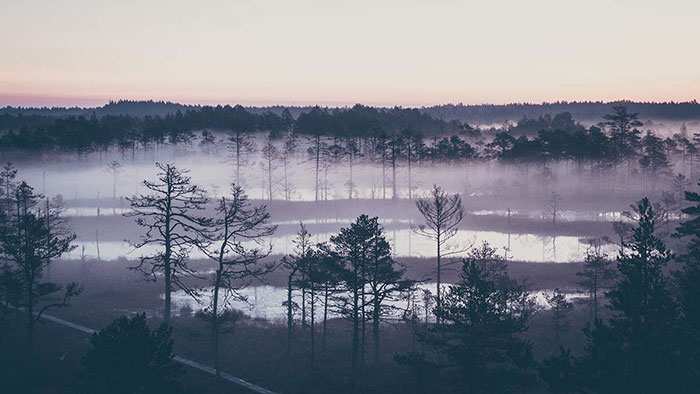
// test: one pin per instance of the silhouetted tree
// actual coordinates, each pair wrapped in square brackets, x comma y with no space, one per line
[680,185]
[270,155]
[687,280]
[654,158]
[428,302]
[288,152]
[169,215]
[128,357]
[356,247]
[30,245]
[295,264]
[7,183]
[560,373]
[385,280]
[114,168]
[623,132]
[634,352]
[236,223]
[554,207]
[560,308]
[442,214]
[240,144]
[478,348]
[597,274]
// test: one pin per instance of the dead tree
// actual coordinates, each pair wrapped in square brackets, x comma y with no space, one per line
[442,214]
[290,147]
[169,215]
[270,155]
[240,144]
[554,206]
[236,224]
[114,169]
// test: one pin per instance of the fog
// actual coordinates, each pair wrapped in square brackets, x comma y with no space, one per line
[507,205]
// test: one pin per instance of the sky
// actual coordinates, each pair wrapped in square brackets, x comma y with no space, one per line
[375,52]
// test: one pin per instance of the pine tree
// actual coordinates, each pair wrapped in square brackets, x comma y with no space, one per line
[688,283]
[128,357]
[560,308]
[634,351]
[597,275]
[478,348]
[357,248]
[31,245]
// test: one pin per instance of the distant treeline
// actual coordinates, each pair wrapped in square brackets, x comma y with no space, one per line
[586,111]
[85,133]
[394,134]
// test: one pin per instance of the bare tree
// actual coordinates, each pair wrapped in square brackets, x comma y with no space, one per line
[169,216]
[412,145]
[442,214]
[351,150]
[554,207]
[290,147]
[395,144]
[270,155]
[317,153]
[114,169]
[236,224]
[240,144]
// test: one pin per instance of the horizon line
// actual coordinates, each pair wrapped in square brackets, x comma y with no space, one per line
[101,103]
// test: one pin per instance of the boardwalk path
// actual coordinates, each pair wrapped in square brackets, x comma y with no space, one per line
[193,364]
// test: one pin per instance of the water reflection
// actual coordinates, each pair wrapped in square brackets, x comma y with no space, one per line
[267,302]
[518,247]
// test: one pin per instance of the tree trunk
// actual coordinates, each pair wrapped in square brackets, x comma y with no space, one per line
[269,176]
[30,311]
[290,323]
[393,172]
[439,272]
[167,254]
[375,331]
[325,317]
[363,318]
[313,327]
[303,304]
[410,186]
[355,330]
[166,307]
[318,161]
[215,321]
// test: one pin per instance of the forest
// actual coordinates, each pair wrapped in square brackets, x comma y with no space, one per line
[353,250]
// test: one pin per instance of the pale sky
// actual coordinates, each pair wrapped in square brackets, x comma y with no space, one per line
[376,52]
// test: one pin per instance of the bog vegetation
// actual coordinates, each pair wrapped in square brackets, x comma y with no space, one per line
[641,310]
